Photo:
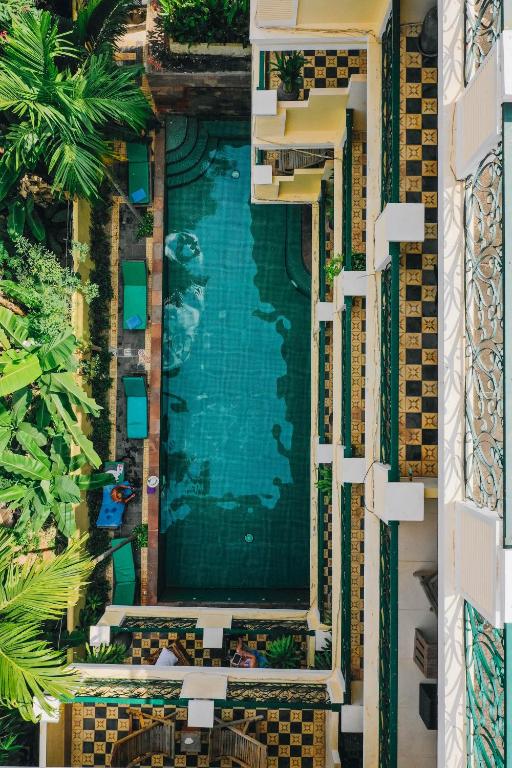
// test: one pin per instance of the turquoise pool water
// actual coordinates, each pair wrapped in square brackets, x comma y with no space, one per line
[234,515]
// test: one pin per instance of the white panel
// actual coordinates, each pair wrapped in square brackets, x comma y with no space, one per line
[276,13]
[262,174]
[400,501]
[213,637]
[398,223]
[477,545]
[478,117]
[99,634]
[506,585]
[506,63]
[324,453]
[350,470]
[325,311]
[200,713]
[353,283]
[264,102]
[352,718]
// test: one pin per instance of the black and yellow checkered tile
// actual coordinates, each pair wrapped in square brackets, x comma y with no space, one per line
[144,644]
[295,738]
[418,275]
[325,69]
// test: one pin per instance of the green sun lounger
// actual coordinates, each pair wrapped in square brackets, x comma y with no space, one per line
[124,574]
[135,308]
[139,173]
[136,407]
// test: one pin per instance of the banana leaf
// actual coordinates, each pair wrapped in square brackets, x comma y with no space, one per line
[74,430]
[20,404]
[16,376]
[13,493]
[65,519]
[29,445]
[35,224]
[58,353]
[66,384]
[94,481]
[15,327]
[25,466]
[66,490]
[38,437]
[16,219]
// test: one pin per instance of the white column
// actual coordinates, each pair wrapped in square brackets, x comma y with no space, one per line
[372,431]
[451,680]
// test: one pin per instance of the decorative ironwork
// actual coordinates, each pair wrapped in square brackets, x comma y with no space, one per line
[484,333]
[483,23]
[388,626]
[485,691]
[300,695]
[346,584]
[390,95]
[385,368]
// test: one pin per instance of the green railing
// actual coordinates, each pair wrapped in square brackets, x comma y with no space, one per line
[485,691]
[389,340]
[321,404]
[483,22]
[346,412]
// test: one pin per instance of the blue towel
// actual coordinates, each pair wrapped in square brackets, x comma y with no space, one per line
[111,512]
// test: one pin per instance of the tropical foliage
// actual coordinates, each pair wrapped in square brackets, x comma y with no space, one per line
[34,278]
[282,653]
[16,736]
[113,653]
[324,481]
[206,21]
[31,592]
[288,67]
[59,121]
[323,658]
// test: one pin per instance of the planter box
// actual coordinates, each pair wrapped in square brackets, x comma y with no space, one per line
[232,50]
[425,654]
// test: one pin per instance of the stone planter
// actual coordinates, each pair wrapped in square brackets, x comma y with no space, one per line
[230,50]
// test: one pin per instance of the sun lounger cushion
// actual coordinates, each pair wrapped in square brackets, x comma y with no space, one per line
[111,512]
[136,407]
[139,176]
[134,295]
[124,574]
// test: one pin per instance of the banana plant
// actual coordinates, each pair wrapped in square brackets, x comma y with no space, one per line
[46,482]
[48,370]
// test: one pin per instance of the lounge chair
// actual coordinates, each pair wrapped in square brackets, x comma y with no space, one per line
[139,173]
[111,512]
[124,574]
[136,407]
[135,307]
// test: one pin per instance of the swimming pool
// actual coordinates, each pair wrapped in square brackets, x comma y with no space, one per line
[234,511]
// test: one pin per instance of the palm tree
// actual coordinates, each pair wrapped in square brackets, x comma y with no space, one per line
[100,23]
[31,593]
[60,122]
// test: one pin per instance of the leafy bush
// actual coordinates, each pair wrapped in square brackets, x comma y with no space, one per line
[283,653]
[323,658]
[145,228]
[141,535]
[104,654]
[324,481]
[206,21]
[333,268]
[33,277]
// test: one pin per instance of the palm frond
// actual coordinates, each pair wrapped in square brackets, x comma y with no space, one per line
[41,589]
[30,667]
[77,168]
[100,23]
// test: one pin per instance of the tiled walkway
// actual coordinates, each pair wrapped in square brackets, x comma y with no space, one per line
[295,737]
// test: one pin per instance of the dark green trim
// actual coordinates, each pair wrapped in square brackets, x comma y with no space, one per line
[346,586]
[320,549]
[219,703]
[393,656]
[347,201]
[321,242]
[394,473]
[321,381]
[507,330]
[262,73]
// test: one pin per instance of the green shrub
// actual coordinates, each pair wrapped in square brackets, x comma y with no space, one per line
[324,481]
[283,653]
[104,654]
[145,228]
[333,268]
[141,535]
[35,279]
[206,21]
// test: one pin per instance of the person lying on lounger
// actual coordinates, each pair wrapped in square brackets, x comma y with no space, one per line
[247,659]
[122,493]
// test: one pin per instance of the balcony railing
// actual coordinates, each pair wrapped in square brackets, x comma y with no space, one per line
[483,23]
[485,691]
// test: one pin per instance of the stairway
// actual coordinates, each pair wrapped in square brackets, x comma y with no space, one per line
[155,739]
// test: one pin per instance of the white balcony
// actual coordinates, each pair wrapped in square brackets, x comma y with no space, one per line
[398,223]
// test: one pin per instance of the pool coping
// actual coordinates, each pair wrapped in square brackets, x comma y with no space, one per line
[151,593]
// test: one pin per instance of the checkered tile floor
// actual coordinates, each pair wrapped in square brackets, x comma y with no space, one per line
[295,737]
[418,275]
[326,69]
[146,643]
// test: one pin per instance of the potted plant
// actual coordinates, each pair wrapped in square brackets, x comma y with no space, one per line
[282,653]
[288,67]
